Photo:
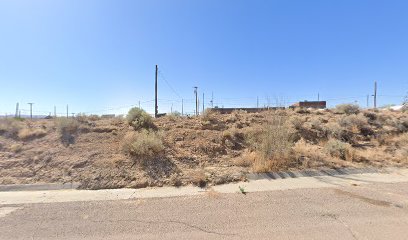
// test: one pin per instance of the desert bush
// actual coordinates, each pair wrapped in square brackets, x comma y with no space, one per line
[143,145]
[139,119]
[336,148]
[273,143]
[10,127]
[197,178]
[67,128]
[347,109]
[28,134]
[350,121]
[334,130]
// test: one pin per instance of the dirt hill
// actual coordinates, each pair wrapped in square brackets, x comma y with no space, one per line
[209,149]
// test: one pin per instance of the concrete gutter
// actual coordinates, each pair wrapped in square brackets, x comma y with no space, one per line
[265,184]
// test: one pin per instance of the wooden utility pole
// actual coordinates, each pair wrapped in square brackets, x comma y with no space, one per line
[318,97]
[67,111]
[16,110]
[31,110]
[139,104]
[257,102]
[182,107]
[375,94]
[196,96]
[156,107]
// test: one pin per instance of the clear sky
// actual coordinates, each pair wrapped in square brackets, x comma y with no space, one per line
[97,55]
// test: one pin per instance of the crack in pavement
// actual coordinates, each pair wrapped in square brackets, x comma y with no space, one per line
[169,221]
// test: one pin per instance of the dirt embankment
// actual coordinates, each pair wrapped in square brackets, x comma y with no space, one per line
[210,149]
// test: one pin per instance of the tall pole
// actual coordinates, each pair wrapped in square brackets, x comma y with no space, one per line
[196,96]
[182,107]
[257,102]
[55,111]
[203,102]
[212,100]
[16,110]
[368,101]
[139,104]
[156,108]
[318,97]
[67,111]
[375,94]
[31,110]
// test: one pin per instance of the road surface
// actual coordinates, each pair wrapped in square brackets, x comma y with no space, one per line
[355,209]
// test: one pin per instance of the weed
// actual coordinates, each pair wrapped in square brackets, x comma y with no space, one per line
[28,134]
[143,145]
[336,148]
[67,128]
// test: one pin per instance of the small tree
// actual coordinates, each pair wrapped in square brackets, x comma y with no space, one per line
[139,119]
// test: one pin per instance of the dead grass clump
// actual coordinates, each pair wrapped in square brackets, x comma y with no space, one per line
[197,178]
[140,119]
[10,127]
[354,123]
[210,121]
[347,109]
[339,149]
[29,134]
[67,128]
[245,160]
[334,130]
[16,148]
[309,155]
[273,143]
[143,145]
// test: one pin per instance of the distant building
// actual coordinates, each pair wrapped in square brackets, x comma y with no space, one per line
[248,110]
[310,104]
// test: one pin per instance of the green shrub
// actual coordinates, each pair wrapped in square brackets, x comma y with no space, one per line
[139,119]
[347,109]
[336,148]
[143,145]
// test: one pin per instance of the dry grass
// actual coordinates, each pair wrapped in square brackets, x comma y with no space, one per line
[347,109]
[339,149]
[29,134]
[16,148]
[197,177]
[10,127]
[67,128]
[273,144]
[143,145]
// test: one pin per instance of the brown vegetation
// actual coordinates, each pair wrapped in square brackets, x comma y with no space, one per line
[140,151]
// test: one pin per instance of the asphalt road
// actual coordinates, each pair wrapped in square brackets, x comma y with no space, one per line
[371,211]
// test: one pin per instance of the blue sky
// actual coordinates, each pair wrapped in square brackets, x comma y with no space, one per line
[99,56]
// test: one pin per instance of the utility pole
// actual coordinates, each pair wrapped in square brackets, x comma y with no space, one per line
[212,99]
[182,107]
[203,102]
[31,110]
[257,102]
[368,101]
[139,104]
[375,95]
[318,97]
[16,110]
[156,108]
[67,110]
[196,97]
[171,108]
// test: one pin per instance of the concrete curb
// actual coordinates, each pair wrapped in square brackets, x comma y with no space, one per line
[38,187]
[313,173]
